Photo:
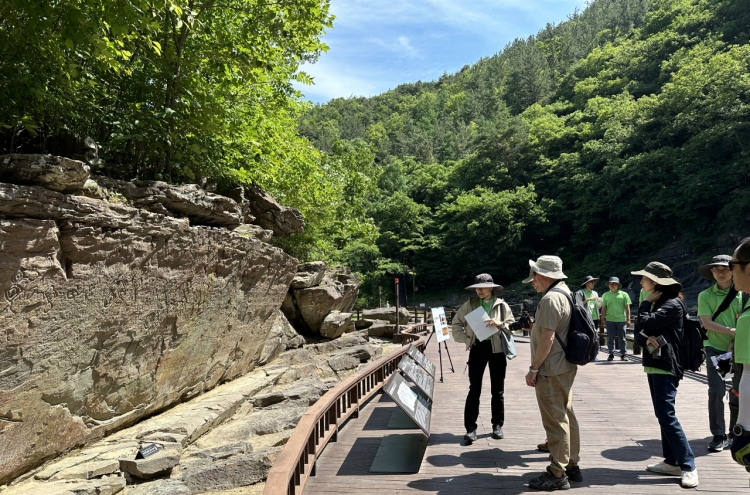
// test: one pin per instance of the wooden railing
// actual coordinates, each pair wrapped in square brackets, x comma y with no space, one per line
[320,423]
[410,333]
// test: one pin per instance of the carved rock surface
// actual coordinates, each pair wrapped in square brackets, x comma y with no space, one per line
[111,313]
[186,201]
[52,172]
[238,471]
[160,487]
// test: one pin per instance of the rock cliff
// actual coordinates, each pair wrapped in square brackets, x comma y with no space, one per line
[111,313]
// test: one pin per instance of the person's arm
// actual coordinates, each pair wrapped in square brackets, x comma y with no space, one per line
[603,313]
[458,324]
[710,324]
[654,323]
[546,340]
[627,309]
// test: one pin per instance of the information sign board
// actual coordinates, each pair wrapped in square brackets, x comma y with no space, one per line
[421,359]
[418,375]
[442,330]
[409,401]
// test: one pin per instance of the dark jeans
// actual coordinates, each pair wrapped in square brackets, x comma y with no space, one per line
[616,330]
[734,400]
[674,444]
[716,392]
[480,355]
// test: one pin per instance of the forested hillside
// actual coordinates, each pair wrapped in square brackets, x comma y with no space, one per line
[599,139]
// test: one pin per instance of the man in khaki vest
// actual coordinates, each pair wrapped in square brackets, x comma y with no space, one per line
[552,375]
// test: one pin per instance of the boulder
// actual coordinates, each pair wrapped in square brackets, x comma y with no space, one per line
[309,306]
[381,328]
[51,172]
[112,313]
[335,324]
[363,324]
[88,470]
[309,274]
[243,470]
[388,314]
[158,464]
[248,230]
[186,201]
[282,336]
[270,215]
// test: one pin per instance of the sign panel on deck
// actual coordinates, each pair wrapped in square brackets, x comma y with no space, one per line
[407,399]
[421,359]
[442,330]
[418,375]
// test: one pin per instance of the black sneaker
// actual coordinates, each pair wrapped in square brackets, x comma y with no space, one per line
[549,482]
[574,473]
[471,436]
[719,443]
[611,357]
[497,432]
[623,358]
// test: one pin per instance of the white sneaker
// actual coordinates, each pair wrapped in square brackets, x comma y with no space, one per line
[664,468]
[689,479]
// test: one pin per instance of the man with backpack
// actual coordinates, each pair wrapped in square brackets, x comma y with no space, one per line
[552,375]
[718,309]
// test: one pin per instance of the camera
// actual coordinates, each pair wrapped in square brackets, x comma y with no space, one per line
[524,322]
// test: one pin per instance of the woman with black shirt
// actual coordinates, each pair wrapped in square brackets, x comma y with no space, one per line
[659,327]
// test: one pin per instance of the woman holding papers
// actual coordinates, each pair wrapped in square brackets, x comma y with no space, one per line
[485,347]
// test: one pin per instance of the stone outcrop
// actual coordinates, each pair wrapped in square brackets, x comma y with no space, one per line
[335,324]
[282,337]
[387,314]
[265,211]
[321,290]
[381,328]
[111,313]
[52,172]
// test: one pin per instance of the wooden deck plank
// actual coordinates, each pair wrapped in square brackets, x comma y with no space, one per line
[620,435]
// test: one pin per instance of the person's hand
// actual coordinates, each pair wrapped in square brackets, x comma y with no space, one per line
[531,379]
[492,323]
[653,296]
[652,341]
[731,346]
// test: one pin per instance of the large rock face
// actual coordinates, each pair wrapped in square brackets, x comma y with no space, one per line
[53,172]
[110,313]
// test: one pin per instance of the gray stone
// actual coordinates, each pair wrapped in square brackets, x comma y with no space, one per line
[54,468]
[309,274]
[186,201]
[334,324]
[111,313]
[269,399]
[315,303]
[270,215]
[243,470]
[160,487]
[388,314]
[152,466]
[362,324]
[282,336]
[87,470]
[51,172]
[248,230]
[218,453]
[381,328]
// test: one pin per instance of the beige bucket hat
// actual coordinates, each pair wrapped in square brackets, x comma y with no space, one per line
[549,266]
[659,273]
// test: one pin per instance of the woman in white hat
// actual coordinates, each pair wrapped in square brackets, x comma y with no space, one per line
[484,353]
[659,328]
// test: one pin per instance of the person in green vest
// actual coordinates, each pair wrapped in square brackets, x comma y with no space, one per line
[720,330]
[615,317]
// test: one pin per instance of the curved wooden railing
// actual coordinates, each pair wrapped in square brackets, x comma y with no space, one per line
[320,423]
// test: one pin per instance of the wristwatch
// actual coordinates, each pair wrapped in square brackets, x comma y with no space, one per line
[531,368]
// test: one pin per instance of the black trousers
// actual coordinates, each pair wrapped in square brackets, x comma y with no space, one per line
[480,355]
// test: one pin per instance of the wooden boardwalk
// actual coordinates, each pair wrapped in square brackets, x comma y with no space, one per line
[619,436]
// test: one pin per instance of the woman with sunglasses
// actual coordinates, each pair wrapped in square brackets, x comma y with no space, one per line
[741,271]
[659,328]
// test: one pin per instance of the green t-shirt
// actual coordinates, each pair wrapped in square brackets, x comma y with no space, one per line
[708,302]
[591,304]
[742,338]
[655,371]
[487,305]
[615,302]
[643,295]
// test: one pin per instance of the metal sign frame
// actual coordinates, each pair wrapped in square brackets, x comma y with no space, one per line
[421,359]
[417,408]
[418,375]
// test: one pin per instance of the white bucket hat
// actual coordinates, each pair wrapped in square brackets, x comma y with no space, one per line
[549,266]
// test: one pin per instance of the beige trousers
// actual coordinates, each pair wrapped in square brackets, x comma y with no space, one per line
[555,397]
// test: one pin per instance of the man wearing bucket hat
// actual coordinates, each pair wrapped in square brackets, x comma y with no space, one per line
[587,296]
[615,315]
[484,353]
[720,330]
[552,375]
[659,328]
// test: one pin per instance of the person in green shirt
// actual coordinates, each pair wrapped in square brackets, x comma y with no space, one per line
[720,333]
[587,296]
[615,316]
[741,273]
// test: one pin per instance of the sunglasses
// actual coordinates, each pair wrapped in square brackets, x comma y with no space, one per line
[733,263]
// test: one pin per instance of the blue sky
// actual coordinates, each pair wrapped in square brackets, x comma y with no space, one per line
[375,45]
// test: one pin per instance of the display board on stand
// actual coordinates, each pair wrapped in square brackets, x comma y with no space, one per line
[418,375]
[421,359]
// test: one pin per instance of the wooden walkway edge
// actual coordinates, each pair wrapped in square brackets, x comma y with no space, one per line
[619,436]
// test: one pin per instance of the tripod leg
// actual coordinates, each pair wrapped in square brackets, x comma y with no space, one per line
[440,356]
[449,356]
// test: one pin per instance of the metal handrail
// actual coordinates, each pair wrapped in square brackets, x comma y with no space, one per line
[320,424]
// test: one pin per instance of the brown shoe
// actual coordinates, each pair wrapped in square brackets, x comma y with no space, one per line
[544,447]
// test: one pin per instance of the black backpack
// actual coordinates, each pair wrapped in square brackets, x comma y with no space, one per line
[691,352]
[582,346]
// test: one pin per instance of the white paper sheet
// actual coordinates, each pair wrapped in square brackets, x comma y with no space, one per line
[408,397]
[476,320]
[442,330]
